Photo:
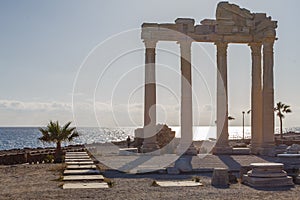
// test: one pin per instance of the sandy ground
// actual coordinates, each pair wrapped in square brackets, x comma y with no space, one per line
[42,182]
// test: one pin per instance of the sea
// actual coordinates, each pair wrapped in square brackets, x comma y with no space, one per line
[22,137]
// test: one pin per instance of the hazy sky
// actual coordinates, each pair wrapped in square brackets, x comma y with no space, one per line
[51,51]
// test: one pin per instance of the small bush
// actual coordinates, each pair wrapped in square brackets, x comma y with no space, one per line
[109,182]
[154,184]
[49,159]
[196,179]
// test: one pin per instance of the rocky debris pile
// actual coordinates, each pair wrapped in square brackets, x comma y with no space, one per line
[164,136]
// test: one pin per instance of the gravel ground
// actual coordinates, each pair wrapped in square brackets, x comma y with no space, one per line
[42,182]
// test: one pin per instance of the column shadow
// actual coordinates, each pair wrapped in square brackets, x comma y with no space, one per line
[232,164]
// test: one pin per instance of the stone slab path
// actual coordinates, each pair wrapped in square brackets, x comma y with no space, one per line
[74,167]
[77,157]
[85,185]
[81,172]
[83,177]
[178,183]
[79,162]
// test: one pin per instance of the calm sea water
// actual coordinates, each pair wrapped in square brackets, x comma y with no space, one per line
[20,137]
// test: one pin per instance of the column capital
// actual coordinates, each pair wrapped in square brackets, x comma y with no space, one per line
[268,44]
[255,44]
[221,47]
[151,44]
[185,42]
[255,48]
[268,40]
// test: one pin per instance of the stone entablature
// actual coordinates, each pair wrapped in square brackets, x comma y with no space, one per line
[232,24]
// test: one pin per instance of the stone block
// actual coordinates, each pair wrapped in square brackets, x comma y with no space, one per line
[77,157]
[220,177]
[78,160]
[209,22]
[74,167]
[218,150]
[221,29]
[81,171]
[185,24]
[226,22]
[267,175]
[79,163]
[268,182]
[280,149]
[241,151]
[291,161]
[83,177]
[85,185]
[204,29]
[178,183]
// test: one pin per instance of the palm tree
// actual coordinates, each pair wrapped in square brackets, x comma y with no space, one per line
[281,108]
[57,134]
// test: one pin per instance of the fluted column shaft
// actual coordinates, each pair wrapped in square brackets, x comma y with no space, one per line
[268,94]
[150,142]
[186,141]
[222,95]
[256,98]
[186,93]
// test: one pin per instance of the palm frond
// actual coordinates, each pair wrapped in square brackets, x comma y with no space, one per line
[54,133]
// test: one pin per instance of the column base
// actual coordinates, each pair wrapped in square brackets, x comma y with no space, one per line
[266,149]
[184,163]
[255,148]
[222,150]
[186,149]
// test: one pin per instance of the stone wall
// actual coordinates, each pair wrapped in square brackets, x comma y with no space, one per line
[31,155]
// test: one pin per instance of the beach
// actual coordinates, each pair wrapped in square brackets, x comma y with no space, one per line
[42,181]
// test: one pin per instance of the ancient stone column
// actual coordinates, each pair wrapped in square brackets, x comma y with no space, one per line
[149,133]
[186,142]
[268,97]
[222,146]
[256,98]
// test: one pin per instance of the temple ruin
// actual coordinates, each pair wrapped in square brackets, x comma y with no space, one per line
[232,25]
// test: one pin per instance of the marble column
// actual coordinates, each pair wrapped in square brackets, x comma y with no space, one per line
[186,146]
[149,132]
[256,98]
[222,145]
[268,97]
